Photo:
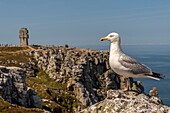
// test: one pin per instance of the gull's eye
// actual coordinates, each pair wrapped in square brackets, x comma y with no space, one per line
[111,35]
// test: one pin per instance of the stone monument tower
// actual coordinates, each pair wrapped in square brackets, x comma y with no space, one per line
[23,35]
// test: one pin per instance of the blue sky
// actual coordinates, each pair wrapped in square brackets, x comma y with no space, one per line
[83,22]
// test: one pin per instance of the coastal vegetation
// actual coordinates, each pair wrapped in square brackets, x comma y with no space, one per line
[60,79]
[54,95]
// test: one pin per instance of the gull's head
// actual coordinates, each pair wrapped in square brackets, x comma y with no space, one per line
[112,37]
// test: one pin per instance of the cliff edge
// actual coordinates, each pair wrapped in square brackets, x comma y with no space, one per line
[72,80]
[118,101]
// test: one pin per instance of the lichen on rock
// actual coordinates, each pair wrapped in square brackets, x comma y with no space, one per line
[73,80]
[118,101]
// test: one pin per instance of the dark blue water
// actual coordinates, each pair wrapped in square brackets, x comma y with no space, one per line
[157,57]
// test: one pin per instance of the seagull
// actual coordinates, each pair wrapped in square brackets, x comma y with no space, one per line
[123,64]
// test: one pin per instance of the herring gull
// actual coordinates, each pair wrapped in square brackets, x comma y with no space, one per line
[123,64]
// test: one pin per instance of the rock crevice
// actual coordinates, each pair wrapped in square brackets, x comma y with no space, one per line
[13,88]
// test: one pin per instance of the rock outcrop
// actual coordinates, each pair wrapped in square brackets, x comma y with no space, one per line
[86,72]
[79,80]
[13,88]
[119,102]
[80,69]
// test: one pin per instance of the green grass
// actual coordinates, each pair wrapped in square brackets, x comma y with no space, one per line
[57,93]
[12,49]
[42,81]
[6,107]
[12,54]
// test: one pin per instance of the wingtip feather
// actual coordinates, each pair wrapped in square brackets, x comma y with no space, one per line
[153,78]
[156,76]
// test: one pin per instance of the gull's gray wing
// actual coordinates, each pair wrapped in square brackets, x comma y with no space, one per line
[134,66]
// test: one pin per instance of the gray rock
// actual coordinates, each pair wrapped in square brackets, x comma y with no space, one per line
[118,101]
[34,100]
[153,92]
[87,74]
[13,88]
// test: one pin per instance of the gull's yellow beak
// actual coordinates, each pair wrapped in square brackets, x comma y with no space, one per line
[104,38]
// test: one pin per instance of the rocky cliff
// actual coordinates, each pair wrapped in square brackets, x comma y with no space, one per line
[118,101]
[13,88]
[70,79]
[86,72]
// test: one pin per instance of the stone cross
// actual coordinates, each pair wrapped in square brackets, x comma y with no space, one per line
[23,35]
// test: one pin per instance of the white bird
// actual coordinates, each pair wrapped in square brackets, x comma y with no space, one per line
[123,64]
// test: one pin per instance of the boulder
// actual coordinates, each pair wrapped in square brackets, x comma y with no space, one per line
[119,102]
[13,88]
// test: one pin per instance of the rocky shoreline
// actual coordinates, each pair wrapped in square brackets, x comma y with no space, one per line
[87,83]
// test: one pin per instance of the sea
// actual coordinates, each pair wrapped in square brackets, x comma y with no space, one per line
[157,57]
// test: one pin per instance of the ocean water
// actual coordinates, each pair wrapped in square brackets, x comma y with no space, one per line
[157,57]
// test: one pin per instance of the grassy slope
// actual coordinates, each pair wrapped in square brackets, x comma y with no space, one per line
[46,88]
[6,107]
[41,84]
[13,54]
